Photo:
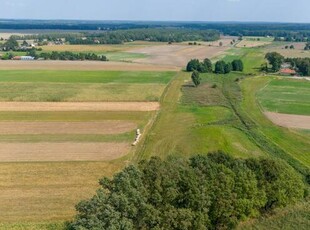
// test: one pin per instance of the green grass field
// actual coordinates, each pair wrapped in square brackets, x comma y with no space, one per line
[286,144]
[263,39]
[252,58]
[201,123]
[84,86]
[35,76]
[286,96]
[124,56]
[289,218]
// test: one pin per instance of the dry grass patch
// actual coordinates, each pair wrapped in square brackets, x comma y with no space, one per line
[176,55]
[104,127]
[48,191]
[86,48]
[51,152]
[79,106]
[289,120]
[298,50]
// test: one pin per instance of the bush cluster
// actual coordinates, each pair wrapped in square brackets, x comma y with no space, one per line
[221,67]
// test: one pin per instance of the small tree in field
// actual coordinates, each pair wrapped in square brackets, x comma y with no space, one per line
[196,78]
[237,65]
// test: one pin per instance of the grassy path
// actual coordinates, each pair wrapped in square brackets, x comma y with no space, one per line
[169,126]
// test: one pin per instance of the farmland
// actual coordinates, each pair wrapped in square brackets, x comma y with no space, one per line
[64,125]
[286,96]
[74,86]
[251,42]
[64,129]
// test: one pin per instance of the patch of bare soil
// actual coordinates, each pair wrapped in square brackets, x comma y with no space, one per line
[289,121]
[82,65]
[177,55]
[105,127]
[79,106]
[51,152]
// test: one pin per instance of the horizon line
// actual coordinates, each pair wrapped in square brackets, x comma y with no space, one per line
[171,21]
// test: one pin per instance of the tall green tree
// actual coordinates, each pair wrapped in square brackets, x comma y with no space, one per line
[228,68]
[220,67]
[237,65]
[192,65]
[10,44]
[275,60]
[206,66]
[196,78]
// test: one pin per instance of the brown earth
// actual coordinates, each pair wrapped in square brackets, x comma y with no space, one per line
[82,65]
[105,127]
[176,55]
[289,121]
[297,52]
[79,106]
[51,152]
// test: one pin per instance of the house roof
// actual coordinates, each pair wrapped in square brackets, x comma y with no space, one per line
[287,71]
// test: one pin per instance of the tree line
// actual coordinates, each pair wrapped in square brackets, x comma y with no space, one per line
[221,67]
[155,35]
[66,55]
[214,191]
[289,31]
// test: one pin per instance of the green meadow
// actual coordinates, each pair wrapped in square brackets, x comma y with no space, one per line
[67,76]
[286,96]
[82,86]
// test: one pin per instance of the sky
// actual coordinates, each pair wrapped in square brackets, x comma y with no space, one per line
[159,10]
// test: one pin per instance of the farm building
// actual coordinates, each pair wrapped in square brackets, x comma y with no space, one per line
[23,58]
[287,71]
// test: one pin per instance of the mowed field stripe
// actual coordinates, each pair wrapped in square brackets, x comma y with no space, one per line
[82,65]
[104,127]
[289,120]
[52,152]
[79,106]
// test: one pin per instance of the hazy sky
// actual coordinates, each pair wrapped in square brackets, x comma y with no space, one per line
[177,10]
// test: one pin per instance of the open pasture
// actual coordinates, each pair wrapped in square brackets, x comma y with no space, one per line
[82,86]
[86,76]
[86,48]
[252,58]
[251,42]
[286,96]
[66,130]
[84,65]
[297,52]
[176,54]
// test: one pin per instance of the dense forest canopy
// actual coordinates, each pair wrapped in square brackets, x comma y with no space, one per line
[212,191]
[281,31]
[121,36]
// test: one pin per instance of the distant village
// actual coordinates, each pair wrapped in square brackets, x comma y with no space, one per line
[28,50]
